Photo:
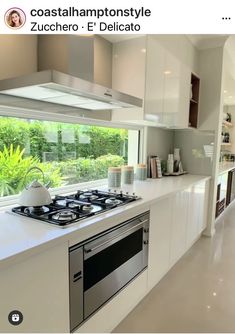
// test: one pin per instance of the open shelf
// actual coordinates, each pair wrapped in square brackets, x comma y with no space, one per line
[194,101]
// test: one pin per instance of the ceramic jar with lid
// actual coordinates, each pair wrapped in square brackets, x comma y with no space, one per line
[114,177]
[141,172]
[128,174]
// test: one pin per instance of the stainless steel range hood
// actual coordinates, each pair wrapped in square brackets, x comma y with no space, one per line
[58,92]
[56,87]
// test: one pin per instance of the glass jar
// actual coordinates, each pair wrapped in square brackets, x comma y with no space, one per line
[114,177]
[128,174]
[141,172]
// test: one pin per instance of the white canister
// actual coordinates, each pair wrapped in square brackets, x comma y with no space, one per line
[170,164]
[128,174]
[177,154]
[141,172]
[114,177]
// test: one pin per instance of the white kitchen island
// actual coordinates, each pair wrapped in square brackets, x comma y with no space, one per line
[34,275]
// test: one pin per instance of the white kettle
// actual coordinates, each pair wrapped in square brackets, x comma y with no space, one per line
[35,194]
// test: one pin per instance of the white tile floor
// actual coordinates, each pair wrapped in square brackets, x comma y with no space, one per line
[198,293]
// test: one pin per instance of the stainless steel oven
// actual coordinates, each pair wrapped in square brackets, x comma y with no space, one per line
[103,265]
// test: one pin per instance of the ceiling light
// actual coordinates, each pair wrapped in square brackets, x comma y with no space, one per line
[143,50]
[214,294]
[230,97]
[167,72]
[225,91]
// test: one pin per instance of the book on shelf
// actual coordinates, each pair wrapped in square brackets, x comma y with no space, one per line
[158,166]
[154,167]
[149,173]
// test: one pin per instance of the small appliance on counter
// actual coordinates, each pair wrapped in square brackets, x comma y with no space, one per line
[35,194]
[174,164]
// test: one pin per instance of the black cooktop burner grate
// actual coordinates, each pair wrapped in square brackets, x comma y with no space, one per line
[65,210]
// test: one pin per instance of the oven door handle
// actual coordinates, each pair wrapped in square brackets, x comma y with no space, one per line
[90,250]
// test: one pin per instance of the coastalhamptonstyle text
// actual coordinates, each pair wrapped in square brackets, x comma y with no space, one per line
[96,18]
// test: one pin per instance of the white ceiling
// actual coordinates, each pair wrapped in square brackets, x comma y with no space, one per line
[118,38]
[199,41]
[207,41]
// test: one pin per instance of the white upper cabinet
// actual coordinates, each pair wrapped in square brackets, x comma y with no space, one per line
[128,66]
[144,68]
[155,81]
[167,88]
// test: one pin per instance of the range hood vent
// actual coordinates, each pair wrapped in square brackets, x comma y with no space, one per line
[52,87]
[56,87]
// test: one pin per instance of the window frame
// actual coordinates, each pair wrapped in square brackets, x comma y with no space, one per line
[5,111]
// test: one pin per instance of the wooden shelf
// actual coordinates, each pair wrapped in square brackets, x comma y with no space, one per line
[227,124]
[194,100]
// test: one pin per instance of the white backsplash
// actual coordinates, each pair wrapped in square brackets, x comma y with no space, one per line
[196,150]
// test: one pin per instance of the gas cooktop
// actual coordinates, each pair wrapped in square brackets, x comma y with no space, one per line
[68,209]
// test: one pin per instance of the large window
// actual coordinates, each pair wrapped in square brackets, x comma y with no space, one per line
[67,153]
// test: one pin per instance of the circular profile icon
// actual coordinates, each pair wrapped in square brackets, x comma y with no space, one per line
[15,317]
[15,18]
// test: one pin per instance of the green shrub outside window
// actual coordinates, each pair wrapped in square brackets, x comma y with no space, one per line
[67,153]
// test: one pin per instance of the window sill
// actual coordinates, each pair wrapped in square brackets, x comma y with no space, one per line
[9,201]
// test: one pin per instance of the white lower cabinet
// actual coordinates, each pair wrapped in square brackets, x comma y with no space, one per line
[192,230]
[179,224]
[159,240]
[176,222]
[198,206]
[203,199]
[38,287]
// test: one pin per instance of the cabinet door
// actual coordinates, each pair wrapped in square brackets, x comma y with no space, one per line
[203,193]
[176,92]
[179,224]
[154,86]
[198,206]
[159,240]
[171,89]
[128,67]
[38,286]
[192,229]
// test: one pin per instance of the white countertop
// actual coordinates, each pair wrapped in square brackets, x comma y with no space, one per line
[21,236]
[226,166]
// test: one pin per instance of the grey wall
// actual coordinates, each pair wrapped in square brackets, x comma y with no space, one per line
[196,147]
[18,55]
[102,61]
[87,57]
[159,142]
[196,150]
